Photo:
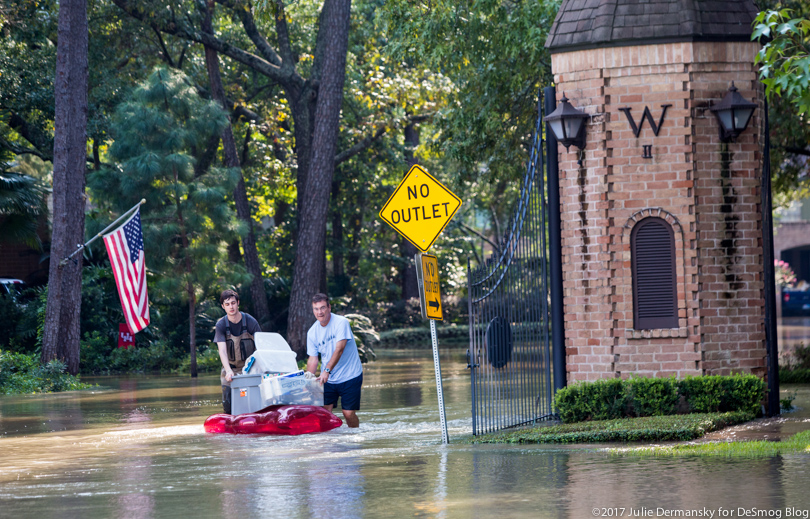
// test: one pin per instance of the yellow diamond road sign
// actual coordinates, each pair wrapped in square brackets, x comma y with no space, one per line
[420,208]
[430,290]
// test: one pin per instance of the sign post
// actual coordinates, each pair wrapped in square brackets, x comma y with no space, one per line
[427,275]
[419,209]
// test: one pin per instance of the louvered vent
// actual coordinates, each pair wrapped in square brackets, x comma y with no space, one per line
[654,289]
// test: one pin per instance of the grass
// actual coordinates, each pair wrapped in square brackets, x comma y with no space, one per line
[796,444]
[644,429]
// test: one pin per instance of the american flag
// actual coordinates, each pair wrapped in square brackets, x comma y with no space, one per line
[125,248]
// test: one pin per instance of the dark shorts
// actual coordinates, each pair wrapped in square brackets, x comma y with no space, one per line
[348,392]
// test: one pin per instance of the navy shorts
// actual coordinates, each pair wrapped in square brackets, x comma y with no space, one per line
[348,392]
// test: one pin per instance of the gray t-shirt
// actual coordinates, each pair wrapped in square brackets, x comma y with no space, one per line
[236,328]
[322,339]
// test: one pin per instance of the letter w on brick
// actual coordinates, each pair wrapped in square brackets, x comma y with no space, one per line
[646,115]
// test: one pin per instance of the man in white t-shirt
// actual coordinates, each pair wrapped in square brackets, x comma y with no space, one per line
[341,369]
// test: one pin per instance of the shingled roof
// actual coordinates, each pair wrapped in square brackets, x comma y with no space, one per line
[585,24]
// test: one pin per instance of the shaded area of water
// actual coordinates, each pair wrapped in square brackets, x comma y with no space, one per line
[137,449]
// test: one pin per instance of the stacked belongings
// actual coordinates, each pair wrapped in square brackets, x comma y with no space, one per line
[273,396]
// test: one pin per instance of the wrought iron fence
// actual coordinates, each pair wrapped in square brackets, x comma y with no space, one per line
[509,355]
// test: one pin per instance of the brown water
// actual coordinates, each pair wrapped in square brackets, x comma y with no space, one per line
[136,448]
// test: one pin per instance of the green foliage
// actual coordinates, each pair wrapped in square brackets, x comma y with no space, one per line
[420,337]
[364,335]
[786,404]
[784,59]
[794,365]
[653,396]
[21,373]
[599,400]
[784,64]
[22,206]
[614,398]
[794,376]
[208,361]
[717,393]
[646,429]
[160,133]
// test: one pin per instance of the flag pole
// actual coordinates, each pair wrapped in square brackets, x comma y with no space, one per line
[94,238]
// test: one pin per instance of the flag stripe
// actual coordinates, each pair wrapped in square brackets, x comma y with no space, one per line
[130,276]
[117,256]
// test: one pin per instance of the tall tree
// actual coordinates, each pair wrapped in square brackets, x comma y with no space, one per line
[309,255]
[315,122]
[257,292]
[187,219]
[784,65]
[61,332]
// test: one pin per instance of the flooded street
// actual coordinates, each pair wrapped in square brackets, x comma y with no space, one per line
[136,448]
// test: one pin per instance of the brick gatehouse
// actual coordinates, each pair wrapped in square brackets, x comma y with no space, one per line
[657,187]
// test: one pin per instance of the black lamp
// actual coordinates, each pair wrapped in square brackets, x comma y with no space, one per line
[568,124]
[733,113]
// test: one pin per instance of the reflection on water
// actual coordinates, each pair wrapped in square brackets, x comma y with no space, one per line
[136,448]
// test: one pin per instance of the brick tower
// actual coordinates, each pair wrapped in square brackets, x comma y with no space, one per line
[661,221]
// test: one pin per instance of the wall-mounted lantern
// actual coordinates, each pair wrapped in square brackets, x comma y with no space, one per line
[568,124]
[733,113]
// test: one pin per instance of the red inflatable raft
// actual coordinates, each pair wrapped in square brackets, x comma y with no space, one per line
[276,419]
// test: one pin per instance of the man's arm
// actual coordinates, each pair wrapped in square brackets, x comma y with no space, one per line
[223,357]
[312,363]
[339,347]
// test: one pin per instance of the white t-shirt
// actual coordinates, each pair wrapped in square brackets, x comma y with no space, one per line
[322,339]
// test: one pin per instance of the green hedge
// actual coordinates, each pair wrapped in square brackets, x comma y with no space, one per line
[615,398]
[21,374]
[646,429]
[794,376]
[601,400]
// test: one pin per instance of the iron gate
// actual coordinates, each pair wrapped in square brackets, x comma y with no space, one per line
[509,355]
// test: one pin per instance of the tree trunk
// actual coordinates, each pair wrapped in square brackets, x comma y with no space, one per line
[192,329]
[410,289]
[338,269]
[61,333]
[252,263]
[309,254]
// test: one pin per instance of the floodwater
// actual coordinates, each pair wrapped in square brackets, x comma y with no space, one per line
[136,448]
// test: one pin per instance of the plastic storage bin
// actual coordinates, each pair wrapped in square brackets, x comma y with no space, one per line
[291,389]
[246,396]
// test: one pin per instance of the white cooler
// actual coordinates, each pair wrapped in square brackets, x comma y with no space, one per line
[273,355]
[273,378]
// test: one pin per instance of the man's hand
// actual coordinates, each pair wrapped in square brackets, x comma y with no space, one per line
[323,378]
[228,376]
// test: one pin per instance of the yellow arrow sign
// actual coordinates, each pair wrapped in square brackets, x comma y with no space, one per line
[420,208]
[431,292]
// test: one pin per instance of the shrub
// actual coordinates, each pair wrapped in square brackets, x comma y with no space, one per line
[794,376]
[710,394]
[614,398]
[208,361]
[653,396]
[21,373]
[365,336]
[599,400]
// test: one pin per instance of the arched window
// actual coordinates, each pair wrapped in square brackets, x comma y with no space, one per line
[655,293]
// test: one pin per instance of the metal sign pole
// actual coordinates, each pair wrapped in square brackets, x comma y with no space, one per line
[439,392]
